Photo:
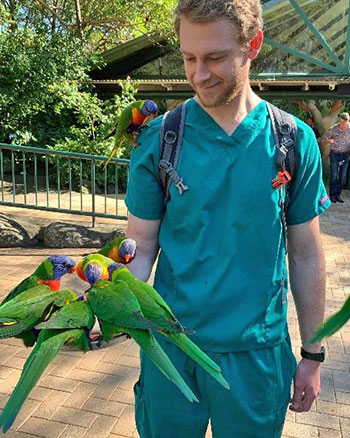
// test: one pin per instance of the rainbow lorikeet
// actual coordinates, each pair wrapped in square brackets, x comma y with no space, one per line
[93,267]
[121,250]
[78,318]
[118,311]
[333,323]
[131,121]
[49,272]
[23,312]
[156,309]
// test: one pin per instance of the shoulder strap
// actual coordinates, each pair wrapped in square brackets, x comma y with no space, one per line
[171,135]
[285,133]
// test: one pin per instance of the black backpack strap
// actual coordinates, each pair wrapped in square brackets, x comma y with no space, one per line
[171,135]
[285,132]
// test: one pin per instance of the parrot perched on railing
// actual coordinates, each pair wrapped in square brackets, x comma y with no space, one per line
[76,319]
[156,309]
[22,313]
[333,323]
[131,121]
[49,272]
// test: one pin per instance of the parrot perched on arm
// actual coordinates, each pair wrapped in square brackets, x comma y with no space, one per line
[76,318]
[121,250]
[93,267]
[155,308]
[49,272]
[118,311]
[23,312]
[131,121]
[333,323]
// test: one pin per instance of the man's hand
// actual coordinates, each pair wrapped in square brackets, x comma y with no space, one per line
[307,385]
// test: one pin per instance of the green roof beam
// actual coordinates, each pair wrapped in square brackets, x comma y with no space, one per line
[302,55]
[317,34]
[347,49]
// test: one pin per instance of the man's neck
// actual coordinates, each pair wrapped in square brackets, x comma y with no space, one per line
[230,115]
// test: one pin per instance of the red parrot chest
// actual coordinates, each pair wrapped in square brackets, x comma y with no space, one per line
[137,118]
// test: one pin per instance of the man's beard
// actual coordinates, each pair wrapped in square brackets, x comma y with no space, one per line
[229,92]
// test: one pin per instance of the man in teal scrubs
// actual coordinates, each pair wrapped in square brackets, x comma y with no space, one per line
[222,250]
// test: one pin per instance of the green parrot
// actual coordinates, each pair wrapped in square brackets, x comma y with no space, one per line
[131,121]
[156,309]
[69,325]
[333,324]
[19,315]
[121,250]
[93,267]
[118,311]
[49,272]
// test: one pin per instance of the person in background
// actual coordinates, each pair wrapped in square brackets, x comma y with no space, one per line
[338,137]
[310,121]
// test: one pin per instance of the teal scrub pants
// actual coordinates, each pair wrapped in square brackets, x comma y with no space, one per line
[255,406]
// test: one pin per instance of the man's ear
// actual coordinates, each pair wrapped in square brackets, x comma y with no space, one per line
[255,45]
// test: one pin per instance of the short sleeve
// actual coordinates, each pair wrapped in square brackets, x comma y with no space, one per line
[144,195]
[308,196]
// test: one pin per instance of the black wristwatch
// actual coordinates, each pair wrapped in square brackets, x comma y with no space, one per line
[318,357]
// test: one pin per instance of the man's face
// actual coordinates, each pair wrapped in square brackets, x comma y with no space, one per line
[342,123]
[215,65]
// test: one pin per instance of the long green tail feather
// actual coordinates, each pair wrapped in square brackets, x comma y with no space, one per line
[151,347]
[332,325]
[48,345]
[10,328]
[195,353]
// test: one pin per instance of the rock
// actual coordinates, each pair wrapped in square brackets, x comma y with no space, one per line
[64,235]
[15,233]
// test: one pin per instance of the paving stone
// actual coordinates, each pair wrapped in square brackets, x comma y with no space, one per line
[329,433]
[107,387]
[79,396]
[75,417]
[39,393]
[345,427]
[130,378]
[317,419]
[343,397]
[341,381]
[66,366]
[42,428]
[48,408]
[86,376]
[340,410]
[123,396]
[74,432]
[114,353]
[59,383]
[296,430]
[104,407]
[10,382]
[101,427]
[26,411]
[126,423]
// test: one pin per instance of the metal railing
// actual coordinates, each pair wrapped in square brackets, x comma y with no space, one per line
[59,181]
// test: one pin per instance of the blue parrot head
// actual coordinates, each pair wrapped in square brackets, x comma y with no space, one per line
[114,267]
[93,272]
[61,265]
[149,108]
[127,250]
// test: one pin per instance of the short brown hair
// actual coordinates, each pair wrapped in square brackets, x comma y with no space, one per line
[245,15]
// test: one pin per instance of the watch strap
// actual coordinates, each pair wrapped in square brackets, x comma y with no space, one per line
[318,357]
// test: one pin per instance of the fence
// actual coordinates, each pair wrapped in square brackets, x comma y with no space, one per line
[67,182]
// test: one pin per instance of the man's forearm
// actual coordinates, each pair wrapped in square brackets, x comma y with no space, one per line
[307,278]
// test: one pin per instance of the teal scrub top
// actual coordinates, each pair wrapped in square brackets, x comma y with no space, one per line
[222,247]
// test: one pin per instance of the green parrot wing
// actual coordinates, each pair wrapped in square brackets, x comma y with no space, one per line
[124,120]
[116,304]
[115,242]
[152,304]
[75,315]
[48,345]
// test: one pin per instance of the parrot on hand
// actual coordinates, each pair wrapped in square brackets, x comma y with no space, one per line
[118,311]
[155,309]
[131,121]
[121,250]
[93,267]
[23,312]
[333,323]
[49,272]
[48,345]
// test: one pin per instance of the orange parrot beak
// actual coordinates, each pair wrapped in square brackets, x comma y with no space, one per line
[74,269]
[127,258]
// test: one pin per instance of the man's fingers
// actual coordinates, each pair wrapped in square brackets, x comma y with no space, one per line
[297,399]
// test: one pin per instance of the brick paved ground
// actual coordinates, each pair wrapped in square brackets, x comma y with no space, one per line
[91,396]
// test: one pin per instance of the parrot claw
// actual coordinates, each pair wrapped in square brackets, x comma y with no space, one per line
[95,340]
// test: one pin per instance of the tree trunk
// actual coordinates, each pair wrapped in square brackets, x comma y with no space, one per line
[79,20]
